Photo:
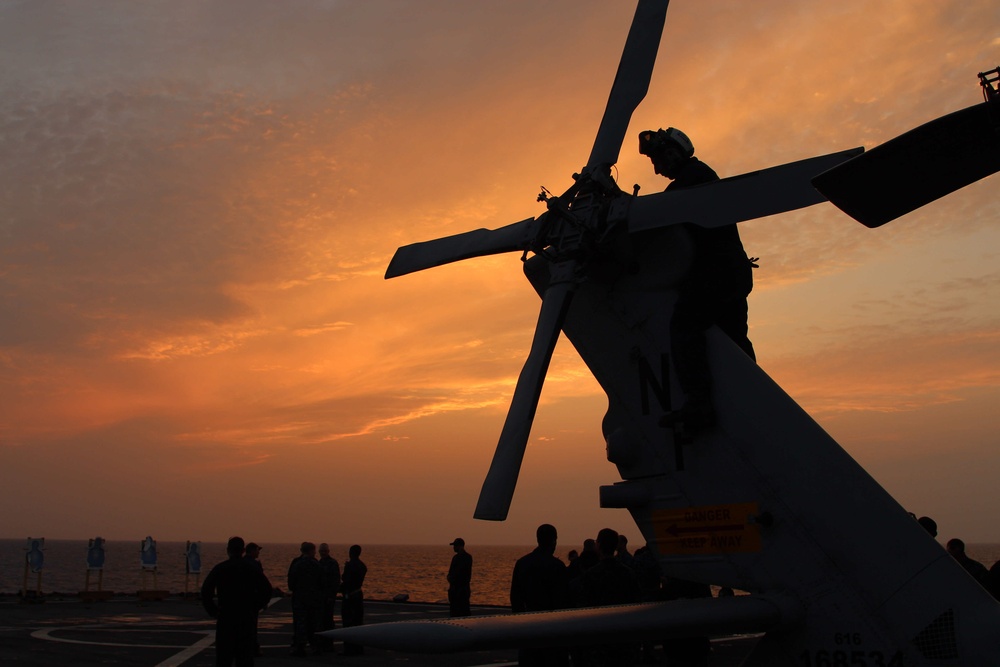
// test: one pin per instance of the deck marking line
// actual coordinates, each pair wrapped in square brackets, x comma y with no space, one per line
[190,651]
[45,634]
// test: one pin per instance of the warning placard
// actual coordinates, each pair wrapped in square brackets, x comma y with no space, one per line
[711,529]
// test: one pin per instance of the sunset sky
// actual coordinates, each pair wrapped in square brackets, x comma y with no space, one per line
[198,201]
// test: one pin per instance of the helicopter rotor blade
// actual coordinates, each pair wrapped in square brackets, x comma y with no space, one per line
[498,488]
[917,167]
[752,195]
[631,81]
[477,243]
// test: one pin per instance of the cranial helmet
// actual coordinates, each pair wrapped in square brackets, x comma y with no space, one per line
[653,142]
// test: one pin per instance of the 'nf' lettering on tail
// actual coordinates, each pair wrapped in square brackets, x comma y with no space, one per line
[660,386]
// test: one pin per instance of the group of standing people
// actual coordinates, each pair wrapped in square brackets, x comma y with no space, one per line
[603,573]
[236,590]
[314,584]
[987,578]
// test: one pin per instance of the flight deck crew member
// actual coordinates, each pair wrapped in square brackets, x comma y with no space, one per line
[715,288]
[305,581]
[242,590]
[609,583]
[540,583]
[252,556]
[956,548]
[460,580]
[330,569]
[352,609]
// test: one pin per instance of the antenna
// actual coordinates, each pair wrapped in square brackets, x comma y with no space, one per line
[986,80]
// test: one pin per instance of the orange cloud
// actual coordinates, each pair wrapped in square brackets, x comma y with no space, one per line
[197,220]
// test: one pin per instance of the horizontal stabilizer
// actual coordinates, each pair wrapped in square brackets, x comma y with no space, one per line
[917,167]
[574,627]
[477,243]
[756,194]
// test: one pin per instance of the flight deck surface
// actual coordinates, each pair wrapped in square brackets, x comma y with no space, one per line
[176,632]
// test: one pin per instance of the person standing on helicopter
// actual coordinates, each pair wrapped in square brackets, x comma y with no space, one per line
[714,290]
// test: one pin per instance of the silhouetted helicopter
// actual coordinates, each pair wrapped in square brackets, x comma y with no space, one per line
[765,501]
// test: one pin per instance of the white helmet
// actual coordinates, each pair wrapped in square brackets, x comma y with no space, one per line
[651,142]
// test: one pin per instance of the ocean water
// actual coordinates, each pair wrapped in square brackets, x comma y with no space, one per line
[418,571]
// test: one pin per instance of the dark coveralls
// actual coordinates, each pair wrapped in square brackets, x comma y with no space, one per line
[714,291]
[540,583]
[352,609]
[609,583]
[258,565]
[460,584]
[242,591]
[305,580]
[331,586]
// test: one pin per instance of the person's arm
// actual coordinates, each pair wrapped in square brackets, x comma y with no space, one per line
[516,590]
[208,593]
[564,598]
[467,574]
[265,590]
